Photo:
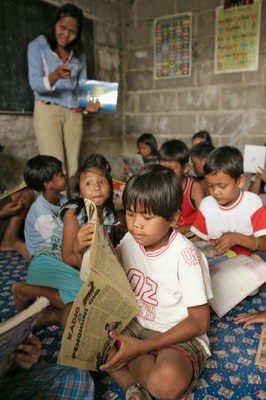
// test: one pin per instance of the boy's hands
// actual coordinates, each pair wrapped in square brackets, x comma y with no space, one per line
[129,348]
[225,242]
[27,353]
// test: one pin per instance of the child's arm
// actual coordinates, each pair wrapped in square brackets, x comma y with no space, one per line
[197,194]
[230,239]
[249,318]
[194,325]
[75,239]
[256,185]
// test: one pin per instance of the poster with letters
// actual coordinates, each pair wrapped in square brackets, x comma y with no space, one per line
[237,38]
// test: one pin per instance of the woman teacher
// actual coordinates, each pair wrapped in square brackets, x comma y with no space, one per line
[56,64]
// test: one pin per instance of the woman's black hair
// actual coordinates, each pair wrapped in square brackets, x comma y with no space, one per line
[86,166]
[149,140]
[40,170]
[203,135]
[174,150]
[68,10]
[154,189]
[226,159]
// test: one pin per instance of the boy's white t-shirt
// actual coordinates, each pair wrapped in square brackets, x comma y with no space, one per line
[247,216]
[166,282]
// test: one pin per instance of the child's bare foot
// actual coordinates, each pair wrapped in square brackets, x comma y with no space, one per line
[21,299]
[19,246]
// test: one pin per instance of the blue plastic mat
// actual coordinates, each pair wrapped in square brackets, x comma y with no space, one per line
[230,372]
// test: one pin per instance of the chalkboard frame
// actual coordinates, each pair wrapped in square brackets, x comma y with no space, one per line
[20,22]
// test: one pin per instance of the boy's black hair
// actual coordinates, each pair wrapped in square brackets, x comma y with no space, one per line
[226,159]
[174,150]
[149,140]
[89,164]
[203,135]
[68,10]
[40,170]
[156,190]
[201,150]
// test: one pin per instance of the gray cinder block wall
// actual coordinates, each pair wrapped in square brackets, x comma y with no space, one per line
[231,106]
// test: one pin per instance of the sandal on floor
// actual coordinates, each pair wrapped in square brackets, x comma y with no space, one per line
[137,392]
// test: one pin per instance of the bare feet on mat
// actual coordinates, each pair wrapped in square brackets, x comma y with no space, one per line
[19,246]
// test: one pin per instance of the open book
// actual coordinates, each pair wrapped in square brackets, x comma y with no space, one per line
[233,280]
[105,302]
[16,329]
[105,92]
[207,250]
[133,162]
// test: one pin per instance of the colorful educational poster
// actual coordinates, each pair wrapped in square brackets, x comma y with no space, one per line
[237,38]
[172,46]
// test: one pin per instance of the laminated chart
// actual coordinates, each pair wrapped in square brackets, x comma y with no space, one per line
[172,48]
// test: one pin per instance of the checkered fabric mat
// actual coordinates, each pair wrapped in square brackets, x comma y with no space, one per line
[230,372]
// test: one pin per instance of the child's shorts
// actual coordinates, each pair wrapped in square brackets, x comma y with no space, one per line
[193,349]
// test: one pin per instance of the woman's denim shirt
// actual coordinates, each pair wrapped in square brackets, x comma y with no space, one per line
[41,62]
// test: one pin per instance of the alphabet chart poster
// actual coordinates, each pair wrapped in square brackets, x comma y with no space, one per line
[237,38]
[172,49]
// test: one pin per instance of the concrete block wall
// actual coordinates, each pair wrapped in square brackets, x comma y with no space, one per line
[102,132]
[231,106]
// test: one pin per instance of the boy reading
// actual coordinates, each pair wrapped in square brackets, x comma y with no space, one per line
[164,349]
[230,217]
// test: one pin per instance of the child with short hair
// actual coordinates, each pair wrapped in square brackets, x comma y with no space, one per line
[171,282]
[174,154]
[230,217]
[43,174]
[55,270]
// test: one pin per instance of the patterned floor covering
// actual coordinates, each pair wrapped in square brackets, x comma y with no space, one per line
[230,372]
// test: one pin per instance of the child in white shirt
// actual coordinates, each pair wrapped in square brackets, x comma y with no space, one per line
[163,350]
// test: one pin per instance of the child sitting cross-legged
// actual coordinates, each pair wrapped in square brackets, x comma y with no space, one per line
[55,270]
[164,349]
[174,154]
[230,217]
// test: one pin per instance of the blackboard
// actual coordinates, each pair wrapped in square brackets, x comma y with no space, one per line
[20,22]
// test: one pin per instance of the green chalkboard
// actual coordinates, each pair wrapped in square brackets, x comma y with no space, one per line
[20,22]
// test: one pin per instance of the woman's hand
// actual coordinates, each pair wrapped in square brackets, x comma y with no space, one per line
[129,348]
[63,71]
[27,353]
[93,105]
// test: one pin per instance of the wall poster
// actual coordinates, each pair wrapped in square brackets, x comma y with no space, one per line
[237,38]
[172,46]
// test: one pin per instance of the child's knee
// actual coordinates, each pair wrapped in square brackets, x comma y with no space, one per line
[167,382]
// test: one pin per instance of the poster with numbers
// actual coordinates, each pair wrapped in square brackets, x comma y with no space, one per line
[172,46]
[237,38]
